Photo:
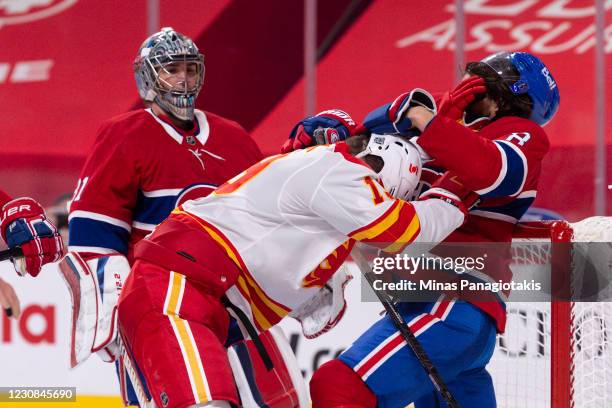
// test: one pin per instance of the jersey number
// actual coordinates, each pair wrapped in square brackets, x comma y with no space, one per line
[376,196]
[520,137]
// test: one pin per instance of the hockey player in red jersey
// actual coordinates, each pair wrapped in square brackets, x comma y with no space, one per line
[24,225]
[265,244]
[487,135]
[142,165]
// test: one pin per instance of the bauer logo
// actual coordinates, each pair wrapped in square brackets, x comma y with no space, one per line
[339,113]
[26,11]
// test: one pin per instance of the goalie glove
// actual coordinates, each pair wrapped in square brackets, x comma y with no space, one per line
[325,127]
[325,309]
[391,118]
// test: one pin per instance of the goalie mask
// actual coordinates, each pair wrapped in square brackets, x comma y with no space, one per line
[169,71]
[401,171]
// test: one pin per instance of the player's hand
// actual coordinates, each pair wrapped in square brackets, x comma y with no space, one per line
[391,118]
[24,224]
[325,127]
[9,300]
[451,189]
[454,102]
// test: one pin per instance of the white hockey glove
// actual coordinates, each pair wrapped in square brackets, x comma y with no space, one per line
[94,286]
[325,309]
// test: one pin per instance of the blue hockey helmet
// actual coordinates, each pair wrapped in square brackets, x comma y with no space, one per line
[525,73]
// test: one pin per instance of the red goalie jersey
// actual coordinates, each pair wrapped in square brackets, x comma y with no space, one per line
[141,167]
[502,163]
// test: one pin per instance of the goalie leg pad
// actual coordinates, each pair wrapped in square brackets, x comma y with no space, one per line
[175,332]
[94,286]
[282,386]
[335,384]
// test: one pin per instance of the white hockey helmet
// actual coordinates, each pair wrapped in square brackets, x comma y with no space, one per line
[160,52]
[401,171]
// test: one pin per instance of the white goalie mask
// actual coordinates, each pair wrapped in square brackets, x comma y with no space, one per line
[401,171]
[169,70]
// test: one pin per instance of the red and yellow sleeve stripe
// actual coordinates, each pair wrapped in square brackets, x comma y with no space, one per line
[392,231]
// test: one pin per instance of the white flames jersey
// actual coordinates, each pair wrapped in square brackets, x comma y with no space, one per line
[290,221]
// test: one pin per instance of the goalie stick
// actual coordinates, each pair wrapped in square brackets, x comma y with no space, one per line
[126,363]
[402,327]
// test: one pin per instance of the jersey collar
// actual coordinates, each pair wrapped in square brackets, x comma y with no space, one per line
[201,129]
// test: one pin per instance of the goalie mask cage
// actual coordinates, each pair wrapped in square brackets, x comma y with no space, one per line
[556,354]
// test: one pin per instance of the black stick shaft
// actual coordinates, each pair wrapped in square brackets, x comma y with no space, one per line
[403,328]
[10,253]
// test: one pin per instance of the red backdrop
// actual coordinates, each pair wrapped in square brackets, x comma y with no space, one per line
[66,66]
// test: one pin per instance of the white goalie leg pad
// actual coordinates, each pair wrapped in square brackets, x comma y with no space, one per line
[94,286]
[325,309]
[282,386]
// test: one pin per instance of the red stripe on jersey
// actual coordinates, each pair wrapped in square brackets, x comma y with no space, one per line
[261,303]
[388,350]
[377,221]
[398,228]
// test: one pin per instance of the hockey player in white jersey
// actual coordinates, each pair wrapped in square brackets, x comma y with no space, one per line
[262,245]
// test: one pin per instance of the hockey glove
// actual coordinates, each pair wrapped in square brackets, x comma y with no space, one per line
[391,118]
[450,189]
[24,224]
[325,309]
[454,102]
[326,127]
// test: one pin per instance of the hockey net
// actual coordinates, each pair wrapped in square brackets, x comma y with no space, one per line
[557,354]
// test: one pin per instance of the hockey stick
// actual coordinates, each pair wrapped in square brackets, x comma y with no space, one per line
[10,253]
[127,364]
[402,326]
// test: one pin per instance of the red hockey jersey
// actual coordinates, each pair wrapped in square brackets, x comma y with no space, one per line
[141,167]
[505,173]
